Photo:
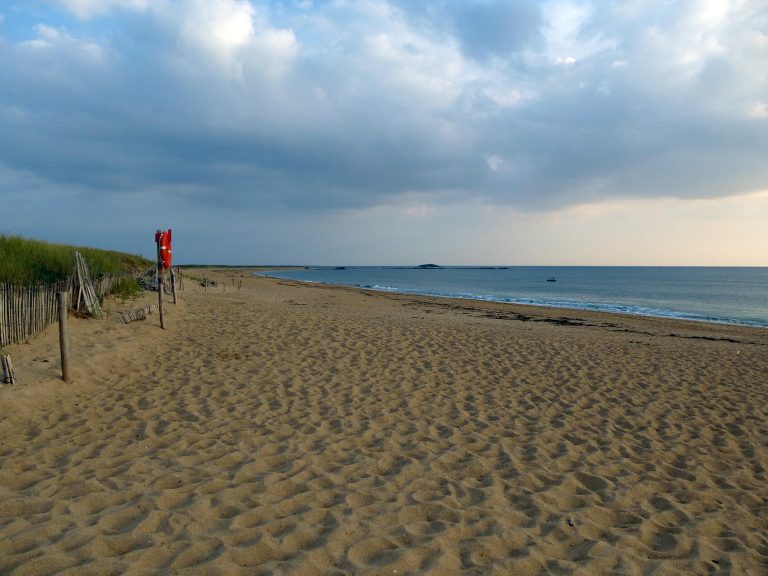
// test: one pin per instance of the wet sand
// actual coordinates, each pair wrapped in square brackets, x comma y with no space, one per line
[297,429]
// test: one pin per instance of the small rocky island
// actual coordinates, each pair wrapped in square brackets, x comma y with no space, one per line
[427,266]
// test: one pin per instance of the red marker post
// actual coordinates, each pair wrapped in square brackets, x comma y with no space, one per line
[163,241]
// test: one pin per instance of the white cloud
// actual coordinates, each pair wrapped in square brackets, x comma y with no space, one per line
[275,49]
[504,95]
[423,66]
[68,46]
[89,8]
[759,110]
[700,30]
[217,25]
[233,36]
[495,162]
[419,211]
[712,13]
[566,33]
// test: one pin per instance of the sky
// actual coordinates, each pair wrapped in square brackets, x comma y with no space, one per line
[389,132]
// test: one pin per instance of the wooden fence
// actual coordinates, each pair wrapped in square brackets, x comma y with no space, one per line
[28,310]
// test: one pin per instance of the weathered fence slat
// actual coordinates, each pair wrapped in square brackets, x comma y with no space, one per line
[85,286]
[135,315]
[28,310]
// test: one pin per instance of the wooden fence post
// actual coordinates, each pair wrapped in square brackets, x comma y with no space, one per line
[173,285]
[160,283]
[63,337]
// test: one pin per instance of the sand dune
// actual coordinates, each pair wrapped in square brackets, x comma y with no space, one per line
[311,430]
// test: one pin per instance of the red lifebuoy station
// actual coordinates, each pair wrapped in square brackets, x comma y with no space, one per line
[164,258]
[163,238]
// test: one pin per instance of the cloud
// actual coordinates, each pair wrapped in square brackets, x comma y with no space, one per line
[759,110]
[495,162]
[324,106]
[86,9]
[569,34]
[218,25]
[498,29]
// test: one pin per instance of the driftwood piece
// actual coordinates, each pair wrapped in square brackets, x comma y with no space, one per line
[9,377]
[135,315]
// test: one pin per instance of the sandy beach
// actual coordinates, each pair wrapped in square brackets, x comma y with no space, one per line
[298,429]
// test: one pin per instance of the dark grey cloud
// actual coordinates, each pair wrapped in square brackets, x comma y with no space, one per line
[483,29]
[499,29]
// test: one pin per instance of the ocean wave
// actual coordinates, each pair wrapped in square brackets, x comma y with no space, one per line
[616,308]
[629,309]
[379,287]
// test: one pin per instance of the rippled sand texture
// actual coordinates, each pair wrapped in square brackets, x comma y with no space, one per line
[305,430]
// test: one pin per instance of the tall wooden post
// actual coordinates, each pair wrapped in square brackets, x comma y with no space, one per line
[63,337]
[173,285]
[160,283]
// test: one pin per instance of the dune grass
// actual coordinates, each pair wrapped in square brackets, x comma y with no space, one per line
[24,261]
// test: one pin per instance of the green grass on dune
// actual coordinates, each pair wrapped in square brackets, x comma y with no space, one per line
[25,262]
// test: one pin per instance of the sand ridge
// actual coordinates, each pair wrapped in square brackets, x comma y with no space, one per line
[298,429]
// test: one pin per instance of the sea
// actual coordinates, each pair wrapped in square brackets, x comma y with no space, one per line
[707,294]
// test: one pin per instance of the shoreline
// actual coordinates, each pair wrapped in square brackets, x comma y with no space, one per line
[298,428]
[552,309]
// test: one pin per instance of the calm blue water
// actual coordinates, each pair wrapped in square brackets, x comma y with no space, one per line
[729,295]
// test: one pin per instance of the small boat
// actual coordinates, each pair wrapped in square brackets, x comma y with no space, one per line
[551,279]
